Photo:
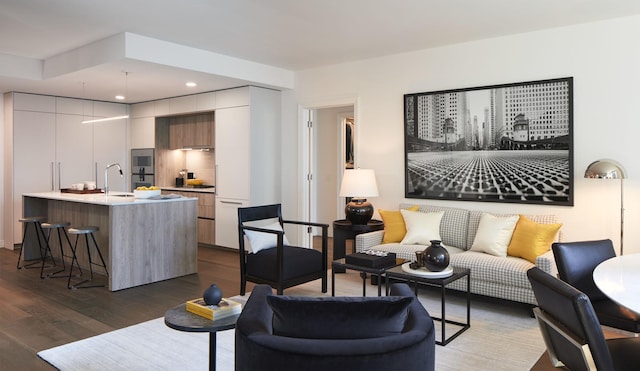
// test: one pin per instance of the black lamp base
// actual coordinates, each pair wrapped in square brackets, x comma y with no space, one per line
[359,211]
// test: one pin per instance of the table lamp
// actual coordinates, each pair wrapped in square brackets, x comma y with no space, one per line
[359,184]
[610,169]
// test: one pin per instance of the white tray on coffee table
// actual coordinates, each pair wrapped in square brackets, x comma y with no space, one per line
[424,272]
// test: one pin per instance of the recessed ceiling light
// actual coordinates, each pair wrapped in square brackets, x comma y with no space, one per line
[120,97]
[191,84]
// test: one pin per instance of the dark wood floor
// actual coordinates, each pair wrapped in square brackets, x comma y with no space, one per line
[39,314]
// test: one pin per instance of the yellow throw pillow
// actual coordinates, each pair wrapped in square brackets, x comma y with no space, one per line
[531,239]
[394,227]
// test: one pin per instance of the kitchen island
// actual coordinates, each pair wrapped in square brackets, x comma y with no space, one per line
[142,240]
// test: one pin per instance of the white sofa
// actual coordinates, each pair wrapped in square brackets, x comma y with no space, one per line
[500,277]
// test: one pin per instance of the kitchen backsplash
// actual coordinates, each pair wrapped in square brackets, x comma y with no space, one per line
[202,164]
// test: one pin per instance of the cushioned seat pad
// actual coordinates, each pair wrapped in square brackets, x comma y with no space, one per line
[300,261]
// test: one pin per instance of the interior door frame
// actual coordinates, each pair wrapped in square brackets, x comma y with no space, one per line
[307,161]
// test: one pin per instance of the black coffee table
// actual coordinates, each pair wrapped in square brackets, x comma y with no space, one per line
[397,273]
[340,265]
[178,318]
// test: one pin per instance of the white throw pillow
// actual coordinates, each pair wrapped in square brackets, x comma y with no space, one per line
[261,240]
[494,234]
[421,227]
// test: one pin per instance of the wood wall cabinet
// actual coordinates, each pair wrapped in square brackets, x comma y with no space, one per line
[192,131]
[48,148]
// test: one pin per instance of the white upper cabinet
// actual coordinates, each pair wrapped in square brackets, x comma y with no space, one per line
[142,133]
[162,107]
[184,104]
[206,101]
[34,102]
[233,97]
[146,109]
[107,109]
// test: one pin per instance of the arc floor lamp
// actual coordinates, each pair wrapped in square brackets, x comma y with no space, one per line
[610,169]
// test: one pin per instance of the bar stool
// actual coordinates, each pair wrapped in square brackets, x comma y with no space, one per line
[86,231]
[36,221]
[61,228]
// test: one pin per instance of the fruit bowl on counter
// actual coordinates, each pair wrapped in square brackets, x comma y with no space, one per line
[146,192]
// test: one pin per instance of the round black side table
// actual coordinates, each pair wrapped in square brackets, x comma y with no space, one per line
[344,230]
[178,318]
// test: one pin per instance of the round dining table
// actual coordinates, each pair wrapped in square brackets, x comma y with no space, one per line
[619,279]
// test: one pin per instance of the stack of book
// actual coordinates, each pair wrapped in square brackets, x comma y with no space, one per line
[223,309]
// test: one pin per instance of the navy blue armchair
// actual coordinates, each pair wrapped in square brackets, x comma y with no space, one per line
[334,333]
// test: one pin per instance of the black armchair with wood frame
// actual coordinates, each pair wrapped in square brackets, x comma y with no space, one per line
[275,263]
[576,262]
[571,331]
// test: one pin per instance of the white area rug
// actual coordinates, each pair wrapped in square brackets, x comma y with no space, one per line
[501,337]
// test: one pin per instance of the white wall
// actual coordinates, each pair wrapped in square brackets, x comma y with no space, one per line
[602,57]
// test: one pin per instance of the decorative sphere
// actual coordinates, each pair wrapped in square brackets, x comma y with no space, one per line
[212,295]
[436,257]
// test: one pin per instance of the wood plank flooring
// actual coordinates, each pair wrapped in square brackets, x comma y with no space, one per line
[39,314]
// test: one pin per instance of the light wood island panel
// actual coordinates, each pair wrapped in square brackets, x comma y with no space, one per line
[142,241]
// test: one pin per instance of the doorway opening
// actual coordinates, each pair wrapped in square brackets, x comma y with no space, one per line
[331,147]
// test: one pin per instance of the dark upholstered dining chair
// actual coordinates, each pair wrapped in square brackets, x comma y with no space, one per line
[269,259]
[576,262]
[571,331]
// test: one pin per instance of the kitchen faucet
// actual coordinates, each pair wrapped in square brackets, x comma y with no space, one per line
[106,178]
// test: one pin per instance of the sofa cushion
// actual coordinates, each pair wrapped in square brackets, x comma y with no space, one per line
[338,317]
[394,226]
[421,227]
[531,239]
[494,234]
[453,227]
[489,268]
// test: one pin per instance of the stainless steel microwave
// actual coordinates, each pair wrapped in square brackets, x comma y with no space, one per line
[142,161]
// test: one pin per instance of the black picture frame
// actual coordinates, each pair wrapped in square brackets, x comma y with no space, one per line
[501,143]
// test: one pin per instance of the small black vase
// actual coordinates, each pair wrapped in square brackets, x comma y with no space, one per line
[436,257]
[212,295]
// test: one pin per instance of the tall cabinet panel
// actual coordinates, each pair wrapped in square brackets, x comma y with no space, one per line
[33,164]
[73,141]
[247,125]
[110,145]
[232,152]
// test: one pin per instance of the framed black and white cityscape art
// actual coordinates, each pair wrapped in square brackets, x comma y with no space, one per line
[502,143]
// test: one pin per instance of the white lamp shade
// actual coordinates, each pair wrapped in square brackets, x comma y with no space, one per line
[359,183]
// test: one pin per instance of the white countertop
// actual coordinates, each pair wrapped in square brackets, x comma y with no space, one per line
[619,279]
[190,189]
[100,199]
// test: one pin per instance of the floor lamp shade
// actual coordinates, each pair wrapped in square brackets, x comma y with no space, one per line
[605,169]
[610,169]
[359,184]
